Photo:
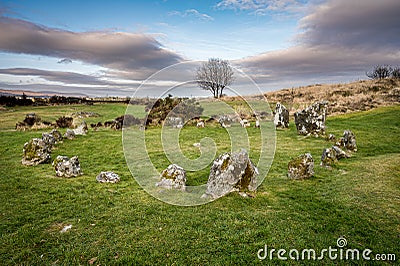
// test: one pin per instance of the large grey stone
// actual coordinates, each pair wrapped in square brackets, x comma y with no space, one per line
[301,167]
[281,117]
[66,167]
[107,177]
[36,151]
[173,177]
[348,141]
[231,172]
[312,119]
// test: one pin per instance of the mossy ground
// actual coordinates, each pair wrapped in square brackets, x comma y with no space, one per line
[358,198]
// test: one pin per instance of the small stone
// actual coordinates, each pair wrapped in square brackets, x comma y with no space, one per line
[66,167]
[66,228]
[301,167]
[281,118]
[70,134]
[36,151]
[231,172]
[331,137]
[108,177]
[173,177]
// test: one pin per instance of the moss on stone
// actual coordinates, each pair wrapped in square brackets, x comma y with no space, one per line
[245,180]
[225,164]
[30,151]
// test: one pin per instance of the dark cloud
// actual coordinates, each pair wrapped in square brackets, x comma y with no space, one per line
[65,61]
[58,76]
[367,24]
[340,40]
[116,50]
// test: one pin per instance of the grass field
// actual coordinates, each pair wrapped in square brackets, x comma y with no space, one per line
[359,199]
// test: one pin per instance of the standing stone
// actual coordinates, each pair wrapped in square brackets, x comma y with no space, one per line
[173,177]
[301,167]
[312,119]
[281,118]
[231,172]
[348,141]
[70,134]
[57,135]
[82,129]
[107,177]
[49,139]
[36,151]
[66,167]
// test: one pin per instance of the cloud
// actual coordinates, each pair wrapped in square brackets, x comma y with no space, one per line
[192,13]
[65,61]
[365,24]
[115,50]
[56,76]
[338,40]
[261,7]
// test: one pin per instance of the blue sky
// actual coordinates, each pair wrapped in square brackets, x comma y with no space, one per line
[110,47]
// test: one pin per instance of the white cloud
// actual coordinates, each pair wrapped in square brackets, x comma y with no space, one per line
[192,13]
[262,7]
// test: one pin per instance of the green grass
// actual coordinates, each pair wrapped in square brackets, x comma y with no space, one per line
[358,198]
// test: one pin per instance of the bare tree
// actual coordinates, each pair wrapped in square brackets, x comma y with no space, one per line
[214,75]
[380,72]
[396,73]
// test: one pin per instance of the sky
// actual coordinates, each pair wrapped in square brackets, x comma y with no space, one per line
[143,48]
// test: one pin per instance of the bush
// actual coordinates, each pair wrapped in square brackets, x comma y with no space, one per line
[380,72]
[183,108]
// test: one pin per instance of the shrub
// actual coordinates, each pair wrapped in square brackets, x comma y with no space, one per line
[380,72]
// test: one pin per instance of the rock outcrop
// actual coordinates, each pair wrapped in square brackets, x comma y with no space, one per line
[231,172]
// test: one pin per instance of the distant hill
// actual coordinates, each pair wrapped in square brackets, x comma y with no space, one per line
[343,98]
[38,94]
